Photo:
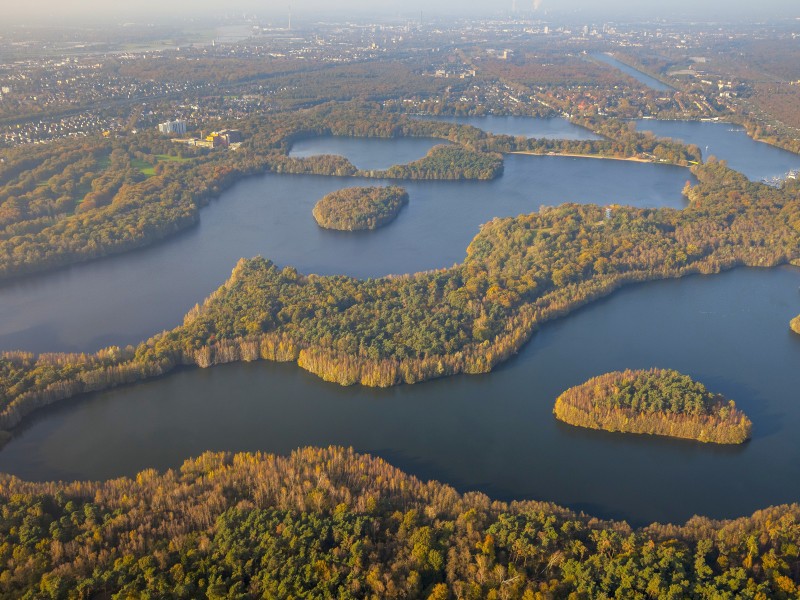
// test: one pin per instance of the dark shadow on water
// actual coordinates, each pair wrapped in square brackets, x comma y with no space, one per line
[45,413]
[632,441]
[765,424]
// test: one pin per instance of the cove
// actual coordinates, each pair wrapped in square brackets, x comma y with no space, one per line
[366,153]
[756,160]
[496,432]
[127,298]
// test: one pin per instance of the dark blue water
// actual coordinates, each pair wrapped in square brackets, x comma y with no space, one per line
[496,432]
[367,153]
[729,142]
[650,82]
[128,298]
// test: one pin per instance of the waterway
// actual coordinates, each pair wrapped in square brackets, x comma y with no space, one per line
[729,142]
[496,432]
[644,78]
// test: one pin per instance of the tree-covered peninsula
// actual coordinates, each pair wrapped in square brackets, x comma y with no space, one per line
[656,402]
[356,208]
[330,523]
[795,324]
[518,273]
[450,162]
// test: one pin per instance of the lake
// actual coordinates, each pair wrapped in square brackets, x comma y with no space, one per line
[730,142]
[125,299]
[368,154]
[496,432]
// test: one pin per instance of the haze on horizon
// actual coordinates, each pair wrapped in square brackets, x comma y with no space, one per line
[91,10]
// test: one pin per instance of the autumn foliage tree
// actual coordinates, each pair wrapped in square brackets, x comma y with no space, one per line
[655,402]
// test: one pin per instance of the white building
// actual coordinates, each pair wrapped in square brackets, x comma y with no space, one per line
[178,127]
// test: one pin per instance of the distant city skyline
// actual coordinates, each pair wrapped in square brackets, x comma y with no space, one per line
[47,10]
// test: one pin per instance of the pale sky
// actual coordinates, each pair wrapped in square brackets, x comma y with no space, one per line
[77,9]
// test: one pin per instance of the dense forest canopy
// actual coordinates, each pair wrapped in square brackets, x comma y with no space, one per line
[450,162]
[325,523]
[357,208]
[654,401]
[332,523]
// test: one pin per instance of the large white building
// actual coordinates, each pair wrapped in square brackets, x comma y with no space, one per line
[178,127]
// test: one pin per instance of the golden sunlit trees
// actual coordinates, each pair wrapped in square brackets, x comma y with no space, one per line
[655,402]
[357,208]
[327,522]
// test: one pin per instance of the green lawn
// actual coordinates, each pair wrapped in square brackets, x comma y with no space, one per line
[149,170]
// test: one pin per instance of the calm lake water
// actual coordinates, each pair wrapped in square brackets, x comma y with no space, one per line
[367,153]
[755,159]
[644,78]
[496,432]
[555,128]
[127,298]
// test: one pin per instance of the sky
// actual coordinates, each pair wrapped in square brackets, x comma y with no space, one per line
[76,9]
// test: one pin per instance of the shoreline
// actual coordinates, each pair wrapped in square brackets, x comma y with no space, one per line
[594,156]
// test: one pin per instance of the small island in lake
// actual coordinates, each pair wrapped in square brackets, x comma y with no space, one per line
[795,324]
[359,208]
[656,402]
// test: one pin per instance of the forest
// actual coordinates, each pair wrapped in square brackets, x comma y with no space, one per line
[449,162]
[655,402]
[73,201]
[355,208]
[518,273]
[324,523]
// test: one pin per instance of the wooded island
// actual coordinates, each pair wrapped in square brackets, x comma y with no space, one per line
[656,402]
[70,202]
[518,273]
[357,208]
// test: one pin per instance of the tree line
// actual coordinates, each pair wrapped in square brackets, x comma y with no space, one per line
[332,523]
